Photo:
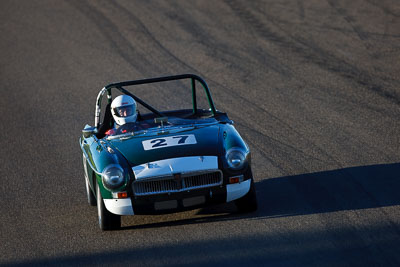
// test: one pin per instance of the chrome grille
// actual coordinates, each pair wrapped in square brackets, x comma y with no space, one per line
[146,187]
[202,180]
[168,184]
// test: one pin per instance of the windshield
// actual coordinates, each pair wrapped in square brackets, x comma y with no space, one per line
[149,126]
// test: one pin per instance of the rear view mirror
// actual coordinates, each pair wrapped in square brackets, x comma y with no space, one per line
[161,120]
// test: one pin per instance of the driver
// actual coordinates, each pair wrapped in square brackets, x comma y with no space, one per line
[123,110]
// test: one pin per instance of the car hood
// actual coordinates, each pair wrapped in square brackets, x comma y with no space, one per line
[183,142]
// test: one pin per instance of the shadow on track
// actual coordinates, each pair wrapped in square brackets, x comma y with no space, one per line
[328,191]
[344,189]
[337,190]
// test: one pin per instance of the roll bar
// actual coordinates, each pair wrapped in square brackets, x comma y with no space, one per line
[119,86]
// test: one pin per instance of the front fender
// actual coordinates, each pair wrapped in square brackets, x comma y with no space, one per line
[230,138]
[98,156]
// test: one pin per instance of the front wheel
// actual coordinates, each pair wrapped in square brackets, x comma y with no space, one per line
[107,220]
[90,196]
[248,203]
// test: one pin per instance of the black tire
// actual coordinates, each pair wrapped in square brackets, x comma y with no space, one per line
[89,193]
[107,220]
[248,203]
[90,196]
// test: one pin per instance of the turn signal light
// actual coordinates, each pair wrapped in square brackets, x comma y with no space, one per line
[236,179]
[122,194]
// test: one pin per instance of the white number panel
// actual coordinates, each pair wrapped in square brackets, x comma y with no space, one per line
[168,141]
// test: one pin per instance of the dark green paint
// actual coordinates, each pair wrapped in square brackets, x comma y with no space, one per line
[132,148]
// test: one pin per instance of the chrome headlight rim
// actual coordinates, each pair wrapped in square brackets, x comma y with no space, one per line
[236,158]
[113,177]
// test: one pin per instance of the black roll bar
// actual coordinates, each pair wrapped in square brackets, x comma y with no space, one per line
[120,86]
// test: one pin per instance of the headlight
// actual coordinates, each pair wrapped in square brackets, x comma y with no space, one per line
[236,158]
[113,177]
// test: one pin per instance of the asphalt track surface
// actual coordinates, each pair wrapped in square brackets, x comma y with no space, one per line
[313,87]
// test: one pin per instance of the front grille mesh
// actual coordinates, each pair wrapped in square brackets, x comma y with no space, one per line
[170,185]
[202,180]
[154,186]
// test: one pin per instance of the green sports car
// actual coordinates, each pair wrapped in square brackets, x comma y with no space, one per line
[166,160]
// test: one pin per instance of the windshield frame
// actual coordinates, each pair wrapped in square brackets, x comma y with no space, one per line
[166,129]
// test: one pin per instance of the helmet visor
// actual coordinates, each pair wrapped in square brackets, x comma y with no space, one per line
[124,111]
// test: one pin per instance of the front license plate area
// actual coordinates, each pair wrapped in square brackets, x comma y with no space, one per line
[166,205]
[173,204]
[193,201]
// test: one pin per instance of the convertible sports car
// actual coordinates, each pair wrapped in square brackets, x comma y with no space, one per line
[166,161]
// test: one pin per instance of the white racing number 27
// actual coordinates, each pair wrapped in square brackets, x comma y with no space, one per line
[169,141]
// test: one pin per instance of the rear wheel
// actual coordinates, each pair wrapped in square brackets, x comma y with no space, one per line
[107,220]
[248,203]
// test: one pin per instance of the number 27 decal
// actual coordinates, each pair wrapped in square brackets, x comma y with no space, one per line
[169,141]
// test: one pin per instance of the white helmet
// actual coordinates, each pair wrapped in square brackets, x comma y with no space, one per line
[123,109]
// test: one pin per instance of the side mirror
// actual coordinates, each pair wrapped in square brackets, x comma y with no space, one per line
[89,131]
[161,120]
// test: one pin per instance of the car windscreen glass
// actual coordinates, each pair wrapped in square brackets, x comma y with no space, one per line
[144,126]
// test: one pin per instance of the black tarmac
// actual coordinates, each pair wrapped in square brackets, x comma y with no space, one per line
[313,87]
